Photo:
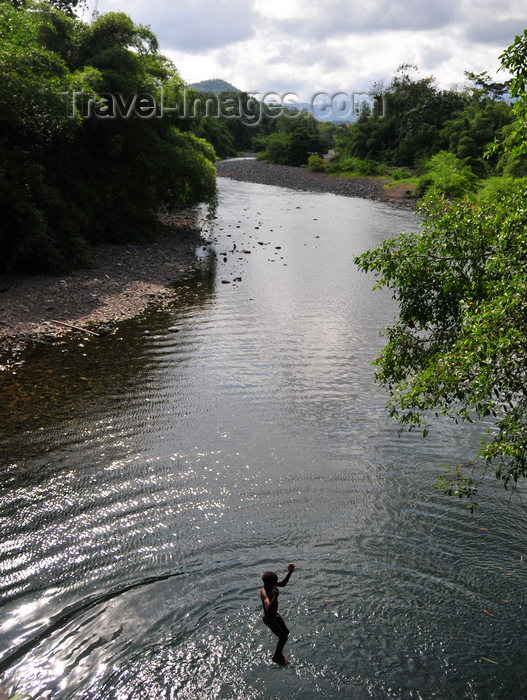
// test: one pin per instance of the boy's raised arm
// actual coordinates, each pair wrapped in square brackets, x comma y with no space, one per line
[291,568]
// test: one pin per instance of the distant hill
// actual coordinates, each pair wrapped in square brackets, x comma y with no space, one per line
[215,86]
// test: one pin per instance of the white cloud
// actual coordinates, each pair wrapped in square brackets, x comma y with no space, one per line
[338,17]
[194,26]
[282,9]
[330,45]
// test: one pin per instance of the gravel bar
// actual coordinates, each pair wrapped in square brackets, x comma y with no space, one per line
[250,169]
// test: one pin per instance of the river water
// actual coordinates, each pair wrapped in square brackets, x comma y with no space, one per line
[149,478]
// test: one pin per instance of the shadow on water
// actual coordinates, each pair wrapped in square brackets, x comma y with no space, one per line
[80,376]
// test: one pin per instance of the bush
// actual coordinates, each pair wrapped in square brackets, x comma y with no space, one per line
[400,174]
[357,166]
[291,148]
[495,189]
[512,164]
[446,174]
[424,183]
[316,164]
[276,148]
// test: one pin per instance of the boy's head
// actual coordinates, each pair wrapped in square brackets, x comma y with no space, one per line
[270,579]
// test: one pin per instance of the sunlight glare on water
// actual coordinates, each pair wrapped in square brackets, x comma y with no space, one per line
[147,484]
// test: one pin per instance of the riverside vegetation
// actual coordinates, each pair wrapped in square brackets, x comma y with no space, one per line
[459,346]
[68,181]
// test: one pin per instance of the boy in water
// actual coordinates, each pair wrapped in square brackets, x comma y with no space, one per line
[269,595]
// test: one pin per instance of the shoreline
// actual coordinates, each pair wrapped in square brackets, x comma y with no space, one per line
[122,282]
[249,169]
[126,279]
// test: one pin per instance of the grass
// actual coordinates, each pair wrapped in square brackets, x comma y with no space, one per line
[353,173]
[409,184]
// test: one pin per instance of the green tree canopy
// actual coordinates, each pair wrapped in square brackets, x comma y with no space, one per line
[459,345]
[73,171]
[514,59]
[67,6]
[295,138]
[468,132]
[408,128]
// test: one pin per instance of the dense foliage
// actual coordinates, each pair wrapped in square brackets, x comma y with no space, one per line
[468,131]
[419,121]
[230,121]
[446,174]
[75,172]
[408,128]
[459,345]
[293,138]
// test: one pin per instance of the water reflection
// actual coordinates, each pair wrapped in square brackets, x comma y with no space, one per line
[71,378]
[139,514]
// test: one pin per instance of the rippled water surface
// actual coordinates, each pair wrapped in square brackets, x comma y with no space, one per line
[148,479]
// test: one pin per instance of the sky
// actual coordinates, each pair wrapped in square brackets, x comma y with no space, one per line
[310,46]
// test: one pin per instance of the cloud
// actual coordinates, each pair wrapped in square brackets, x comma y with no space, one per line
[340,17]
[193,26]
[491,22]
[498,33]
[433,54]
[330,45]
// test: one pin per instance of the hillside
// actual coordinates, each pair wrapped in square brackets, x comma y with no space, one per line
[215,86]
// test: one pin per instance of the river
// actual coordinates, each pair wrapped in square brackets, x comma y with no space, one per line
[149,478]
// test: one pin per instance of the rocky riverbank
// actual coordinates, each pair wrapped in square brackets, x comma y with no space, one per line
[252,170]
[125,279]
[122,282]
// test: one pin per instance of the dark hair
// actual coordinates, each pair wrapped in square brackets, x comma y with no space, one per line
[269,578]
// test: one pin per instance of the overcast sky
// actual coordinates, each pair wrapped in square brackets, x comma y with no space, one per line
[306,46]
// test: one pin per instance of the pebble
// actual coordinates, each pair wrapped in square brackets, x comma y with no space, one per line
[253,170]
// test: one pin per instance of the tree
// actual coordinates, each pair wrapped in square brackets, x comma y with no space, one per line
[486,87]
[72,170]
[459,345]
[514,59]
[295,139]
[408,131]
[67,6]
[469,131]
